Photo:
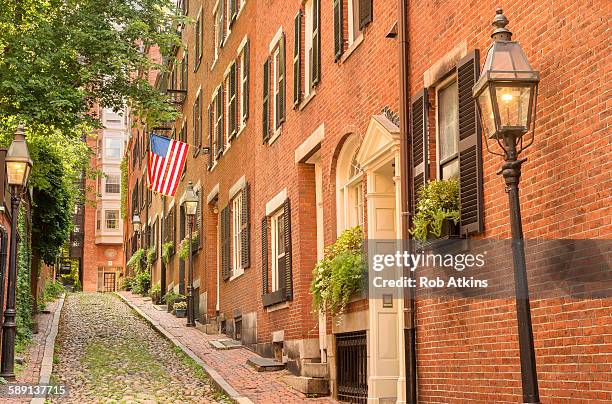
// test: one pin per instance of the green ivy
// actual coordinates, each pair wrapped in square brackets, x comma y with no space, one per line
[438,200]
[23,296]
[340,274]
[124,186]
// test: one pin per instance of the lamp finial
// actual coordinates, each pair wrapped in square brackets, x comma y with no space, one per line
[500,21]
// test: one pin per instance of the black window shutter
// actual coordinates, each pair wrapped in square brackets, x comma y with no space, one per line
[365,13]
[338,29]
[199,220]
[199,123]
[288,269]
[470,147]
[225,245]
[266,101]
[315,58]
[245,258]
[297,66]
[232,102]
[233,11]
[264,255]
[245,88]
[173,235]
[281,81]
[420,146]
[195,126]
[210,135]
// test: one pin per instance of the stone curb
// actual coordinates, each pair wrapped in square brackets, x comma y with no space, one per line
[46,368]
[216,378]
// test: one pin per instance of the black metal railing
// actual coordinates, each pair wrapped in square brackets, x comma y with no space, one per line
[352,367]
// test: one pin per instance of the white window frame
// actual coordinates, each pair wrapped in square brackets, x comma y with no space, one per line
[275,87]
[106,148]
[275,220]
[353,21]
[439,87]
[308,25]
[106,220]
[218,24]
[236,236]
[118,183]
[346,184]
[241,85]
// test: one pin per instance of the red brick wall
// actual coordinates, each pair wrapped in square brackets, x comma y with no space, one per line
[468,350]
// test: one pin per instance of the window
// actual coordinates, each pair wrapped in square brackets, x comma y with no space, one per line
[184,71]
[231,105]
[111,219]
[199,37]
[98,219]
[274,71]
[219,27]
[197,124]
[448,129]
[349,185]
[243,84]
[278,248]
[236,233]
[113,184]
[112,148]
[358,14]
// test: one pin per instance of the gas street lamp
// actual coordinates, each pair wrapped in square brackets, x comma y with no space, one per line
[506,95]
[18,167]
[137,226]
[190,201]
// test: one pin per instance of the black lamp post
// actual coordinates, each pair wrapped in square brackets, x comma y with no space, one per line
[506,94]
[18,167]
[191,206]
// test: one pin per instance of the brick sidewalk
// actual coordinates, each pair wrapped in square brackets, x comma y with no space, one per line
[33,356]
[260,387]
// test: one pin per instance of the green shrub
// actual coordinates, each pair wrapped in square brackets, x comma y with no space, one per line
[128,283]
[171,297]
[340,274]
[137,261]
[438,200]
[53,289]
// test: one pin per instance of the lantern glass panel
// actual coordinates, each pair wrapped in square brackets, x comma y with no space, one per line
[191,207]
[513,104]
[486,112]
[16,172]
[506,60]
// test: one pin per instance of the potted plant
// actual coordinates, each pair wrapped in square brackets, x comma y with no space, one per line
[437,211]
[155,294]
[170,298]
[340,274]
[180,308]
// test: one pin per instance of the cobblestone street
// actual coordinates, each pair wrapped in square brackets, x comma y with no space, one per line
[106,353]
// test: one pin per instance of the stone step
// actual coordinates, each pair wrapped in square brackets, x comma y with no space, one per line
[223,344]
[212,329]
[308,385]
[265,364]
[317,370]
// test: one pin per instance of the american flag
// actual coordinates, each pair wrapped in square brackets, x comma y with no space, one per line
[166,162]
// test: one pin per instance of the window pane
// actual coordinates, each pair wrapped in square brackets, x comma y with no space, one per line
[111,218]
[450,169]
[447,120]
[113,184]
[112,148]
[280,231]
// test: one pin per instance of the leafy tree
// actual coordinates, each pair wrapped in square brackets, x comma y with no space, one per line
[58,58]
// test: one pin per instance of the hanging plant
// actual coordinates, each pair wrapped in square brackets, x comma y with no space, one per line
[183,251]
[150,256]
[136,262]
[438,201]
[340,274]
[167,248]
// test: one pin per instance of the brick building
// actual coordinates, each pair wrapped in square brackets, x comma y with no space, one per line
[102,255]
[291,112]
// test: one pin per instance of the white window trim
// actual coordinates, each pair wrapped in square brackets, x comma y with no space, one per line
[345,184]
[353,32]
[236,204]
[440,86]
[308,24]
[274,220]
[276,202]
[216,36]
